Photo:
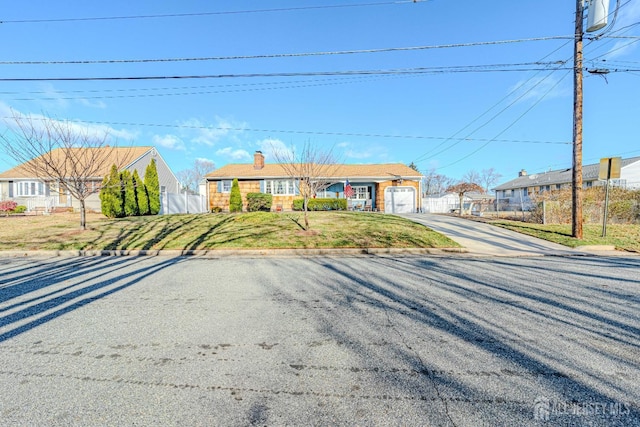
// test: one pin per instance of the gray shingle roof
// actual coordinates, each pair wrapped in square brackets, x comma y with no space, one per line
[560,176]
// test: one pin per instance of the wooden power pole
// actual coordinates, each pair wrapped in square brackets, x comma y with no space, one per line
[576,218]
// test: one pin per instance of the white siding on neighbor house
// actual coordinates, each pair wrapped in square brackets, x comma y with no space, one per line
[441,204]
[166,177]
[631,174]
[4,190]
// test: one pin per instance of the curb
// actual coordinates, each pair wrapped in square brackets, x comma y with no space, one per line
[224,253]
[595,248]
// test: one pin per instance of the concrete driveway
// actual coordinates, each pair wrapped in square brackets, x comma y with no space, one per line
[484,239]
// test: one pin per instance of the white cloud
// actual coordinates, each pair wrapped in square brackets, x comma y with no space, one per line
[92,104]
[273,148]
[373,153]
[204,159]
[234,154]
[210,134]
[38,121]
[629,14]
[534,89]
[171,142]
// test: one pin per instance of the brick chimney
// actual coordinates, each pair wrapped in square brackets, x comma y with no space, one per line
[258,160]
[522,173]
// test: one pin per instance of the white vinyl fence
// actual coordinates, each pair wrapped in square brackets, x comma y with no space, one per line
[172,203]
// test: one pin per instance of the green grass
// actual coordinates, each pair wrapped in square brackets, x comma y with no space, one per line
[623,236]
[258,230]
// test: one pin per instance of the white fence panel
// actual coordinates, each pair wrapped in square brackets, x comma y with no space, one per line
[172,203]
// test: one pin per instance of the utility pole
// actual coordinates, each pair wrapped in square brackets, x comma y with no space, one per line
[576,185]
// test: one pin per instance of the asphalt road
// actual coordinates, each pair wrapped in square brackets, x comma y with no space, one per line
[428,341]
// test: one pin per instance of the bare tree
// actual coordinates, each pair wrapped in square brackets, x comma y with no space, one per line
[471,176]
[60,152]
[435,183]
[310,167]
[463,188]
[489,178]
[190,178]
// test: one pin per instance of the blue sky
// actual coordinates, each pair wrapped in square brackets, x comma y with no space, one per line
[451,121]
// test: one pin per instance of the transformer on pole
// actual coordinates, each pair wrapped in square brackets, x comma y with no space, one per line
[597,14]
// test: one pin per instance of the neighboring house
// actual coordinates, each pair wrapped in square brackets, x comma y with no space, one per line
[19,185]
[392,188]
[450,202]
[519,190]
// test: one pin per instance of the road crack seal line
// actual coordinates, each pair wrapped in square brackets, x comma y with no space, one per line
[427,372]
[119,380]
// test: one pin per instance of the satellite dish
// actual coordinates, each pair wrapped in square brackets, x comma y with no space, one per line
[598,12]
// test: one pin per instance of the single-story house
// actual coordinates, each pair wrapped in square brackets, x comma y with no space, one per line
[520,189]
[36,193]
[391,188]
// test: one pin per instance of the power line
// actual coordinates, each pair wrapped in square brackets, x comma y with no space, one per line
[288,55]
[196,14]
[303,132]
[510,125]
[205,92]
[192,87]
[422,157]
[398,71]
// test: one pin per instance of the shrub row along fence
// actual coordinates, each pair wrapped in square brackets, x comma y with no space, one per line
[559,212]
[556,207]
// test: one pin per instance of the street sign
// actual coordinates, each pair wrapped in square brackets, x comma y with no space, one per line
[610,168]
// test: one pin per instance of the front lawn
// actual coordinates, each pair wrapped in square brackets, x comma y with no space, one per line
[257,230]
[623,236]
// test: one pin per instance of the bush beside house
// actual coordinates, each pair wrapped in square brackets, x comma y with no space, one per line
[235,200]
[259,202]
[321,204]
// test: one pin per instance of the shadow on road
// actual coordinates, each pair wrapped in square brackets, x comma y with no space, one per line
[467,339]
[42,291]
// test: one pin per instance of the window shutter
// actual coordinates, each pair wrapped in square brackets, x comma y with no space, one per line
[262,185]
[10,188]
[219,183]
[296,186]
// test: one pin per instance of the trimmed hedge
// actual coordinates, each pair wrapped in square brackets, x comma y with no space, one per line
[321,205]
[20,209]
[259,202]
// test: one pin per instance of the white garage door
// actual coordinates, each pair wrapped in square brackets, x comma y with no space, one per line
[399,200]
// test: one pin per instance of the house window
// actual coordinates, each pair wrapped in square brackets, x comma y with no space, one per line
[28,189]
[360,193]
[280,187]
[226,186]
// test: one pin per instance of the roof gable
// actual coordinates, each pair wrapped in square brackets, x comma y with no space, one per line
[337,171]
[106,156]
[590,172]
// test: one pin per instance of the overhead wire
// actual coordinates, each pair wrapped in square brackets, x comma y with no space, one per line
[196,14]
[397,71]
[507,96]
[281,86]
[303,132]
[289,55]
[510,125]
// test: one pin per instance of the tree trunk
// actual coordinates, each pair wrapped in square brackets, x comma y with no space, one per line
[306,217]
[83,215]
